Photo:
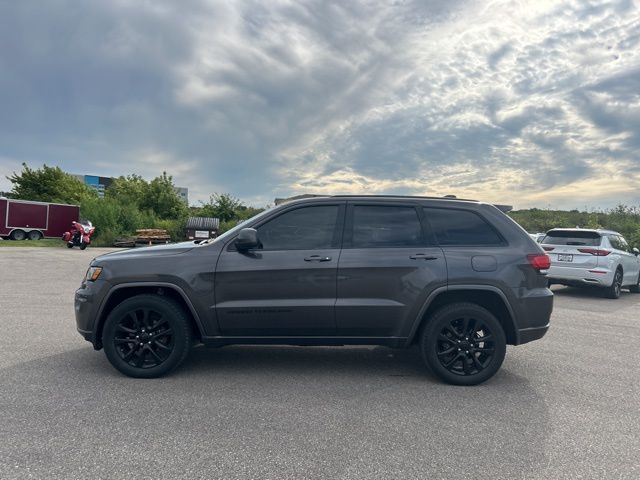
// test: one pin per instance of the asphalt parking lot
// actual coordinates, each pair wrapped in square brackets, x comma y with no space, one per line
[564,407]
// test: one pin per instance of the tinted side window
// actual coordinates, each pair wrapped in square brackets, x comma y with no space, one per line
[460,227]
[618,242]
[385,226]
[306,228]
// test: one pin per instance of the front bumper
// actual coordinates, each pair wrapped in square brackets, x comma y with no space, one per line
[597,276]
[87,301]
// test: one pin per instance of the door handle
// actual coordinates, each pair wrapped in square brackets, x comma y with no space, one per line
[422,256]
[317,258]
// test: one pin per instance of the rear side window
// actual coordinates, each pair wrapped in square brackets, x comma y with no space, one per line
[306,228]
[385,226]
[461,227]
[572,237]
[618,242]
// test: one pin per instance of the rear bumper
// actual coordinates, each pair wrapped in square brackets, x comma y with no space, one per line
[532,311]
[597,276]
[530,334]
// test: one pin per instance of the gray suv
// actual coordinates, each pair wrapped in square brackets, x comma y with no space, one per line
[458,278]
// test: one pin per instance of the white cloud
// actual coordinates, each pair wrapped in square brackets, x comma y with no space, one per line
[479,99]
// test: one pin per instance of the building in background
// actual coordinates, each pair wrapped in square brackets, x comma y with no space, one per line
[183,193]
[100,184]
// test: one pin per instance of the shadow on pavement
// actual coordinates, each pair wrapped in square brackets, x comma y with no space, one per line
[286,412]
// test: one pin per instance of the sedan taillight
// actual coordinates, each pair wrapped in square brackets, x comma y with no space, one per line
[595,251]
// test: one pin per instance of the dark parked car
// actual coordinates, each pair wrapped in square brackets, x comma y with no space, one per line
[458,278]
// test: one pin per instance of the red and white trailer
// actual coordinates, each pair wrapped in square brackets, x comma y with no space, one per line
[22,219]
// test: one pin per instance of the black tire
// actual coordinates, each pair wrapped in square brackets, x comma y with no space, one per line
[635,288]
[449,344]
[34,235]
[69,245]
[160,322]
[613,290]
[18,235]
[83,246]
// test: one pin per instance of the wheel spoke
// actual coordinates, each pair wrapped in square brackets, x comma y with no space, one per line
[484,339]
[451,362]
[145,318]
[125,329]
[447,351]
[164,332]
[161,345]
[476,362]
[160,360]
[465,365]
[124,340]
[485,350]
[465,326]
[452,330]
[128,355]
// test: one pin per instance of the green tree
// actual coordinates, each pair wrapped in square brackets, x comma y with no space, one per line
[158,196]
[161,197]
[49,184]
[222,206]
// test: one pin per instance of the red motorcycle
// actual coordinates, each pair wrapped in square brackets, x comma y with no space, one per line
[79,235]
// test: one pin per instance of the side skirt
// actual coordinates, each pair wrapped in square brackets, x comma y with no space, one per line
[220,341]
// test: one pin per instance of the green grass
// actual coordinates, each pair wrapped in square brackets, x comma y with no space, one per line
[44,242]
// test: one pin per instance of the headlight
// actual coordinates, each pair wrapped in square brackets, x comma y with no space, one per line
[87,229]
[93,273]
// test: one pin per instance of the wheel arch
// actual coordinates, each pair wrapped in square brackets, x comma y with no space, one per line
[487,296]
[121,292]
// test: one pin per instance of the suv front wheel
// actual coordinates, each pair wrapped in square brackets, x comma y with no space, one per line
[463,344]
[147,336]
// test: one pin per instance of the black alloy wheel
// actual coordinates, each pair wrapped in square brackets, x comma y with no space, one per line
[463,344]
[144,338]
[147,336]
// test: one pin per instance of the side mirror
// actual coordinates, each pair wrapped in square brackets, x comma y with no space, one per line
[246,239]
[635,251]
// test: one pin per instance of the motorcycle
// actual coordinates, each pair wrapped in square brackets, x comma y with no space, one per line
[79,235]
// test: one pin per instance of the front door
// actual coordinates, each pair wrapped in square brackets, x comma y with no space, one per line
[387,269]
[288,286]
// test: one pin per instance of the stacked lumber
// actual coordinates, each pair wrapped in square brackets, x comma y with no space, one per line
[152,235]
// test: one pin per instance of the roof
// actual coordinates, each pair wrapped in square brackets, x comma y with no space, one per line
[446,198]
[203,223]
[578,229]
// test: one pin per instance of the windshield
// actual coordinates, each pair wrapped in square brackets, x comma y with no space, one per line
[236,229]
[571,237]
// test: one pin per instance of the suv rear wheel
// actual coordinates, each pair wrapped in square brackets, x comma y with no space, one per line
[147,336]
[463,344]
[613,291]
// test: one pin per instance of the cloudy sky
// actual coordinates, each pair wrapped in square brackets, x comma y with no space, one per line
[532,103]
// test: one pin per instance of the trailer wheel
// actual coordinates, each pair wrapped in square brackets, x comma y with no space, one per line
[35,235]
[18,235]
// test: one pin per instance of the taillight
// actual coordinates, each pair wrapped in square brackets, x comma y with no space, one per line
[548,249]
[595,251]
[539,261]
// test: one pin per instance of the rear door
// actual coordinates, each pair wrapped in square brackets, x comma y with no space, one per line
[571,248]
[630,266]
[386,271]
